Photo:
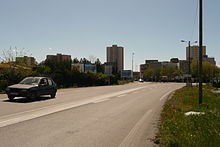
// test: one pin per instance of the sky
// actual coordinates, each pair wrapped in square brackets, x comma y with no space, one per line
[151,29]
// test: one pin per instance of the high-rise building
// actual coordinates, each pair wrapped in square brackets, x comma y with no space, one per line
[115,54]
[194,52]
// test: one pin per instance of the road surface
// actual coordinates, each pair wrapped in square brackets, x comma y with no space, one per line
[107,116]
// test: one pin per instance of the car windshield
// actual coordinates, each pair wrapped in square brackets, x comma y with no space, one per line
[30,81]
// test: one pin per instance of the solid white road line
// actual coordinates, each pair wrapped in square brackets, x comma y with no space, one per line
[165,95]
[102,100]
[31,114]
[135,130]
[122,95]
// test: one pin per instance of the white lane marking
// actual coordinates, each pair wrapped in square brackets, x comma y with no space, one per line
[31,114]
[135,130]
[121,95]
[102,100]
[165,95]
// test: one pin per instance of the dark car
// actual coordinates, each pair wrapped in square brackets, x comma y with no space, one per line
[32,87]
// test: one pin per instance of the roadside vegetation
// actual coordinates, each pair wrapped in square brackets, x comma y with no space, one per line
[210,72]
[60,72]
[13,71]
[176,129]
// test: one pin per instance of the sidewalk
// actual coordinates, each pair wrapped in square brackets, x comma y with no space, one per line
[3,96]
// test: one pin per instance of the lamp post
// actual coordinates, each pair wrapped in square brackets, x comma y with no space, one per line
[132,61]
[189,82]
[132,65]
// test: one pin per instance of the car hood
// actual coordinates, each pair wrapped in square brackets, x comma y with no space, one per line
[22,86]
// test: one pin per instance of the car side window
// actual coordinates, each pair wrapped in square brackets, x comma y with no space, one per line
[50,82]
[44,82]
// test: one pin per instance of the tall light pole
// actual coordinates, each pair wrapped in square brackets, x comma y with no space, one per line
[132,61]
[189,82]
[132,66]
[200,49]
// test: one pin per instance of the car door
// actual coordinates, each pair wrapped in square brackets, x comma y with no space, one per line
[43,86]
[50,86]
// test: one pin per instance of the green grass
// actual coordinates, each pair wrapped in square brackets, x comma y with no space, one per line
[176,129]
[122,82]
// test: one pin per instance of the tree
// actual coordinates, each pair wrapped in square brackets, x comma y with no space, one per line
[9,56]
[210,71]
[99,66]
[152,74]
[75,60]
[148,73]
[177,72]
[84,61]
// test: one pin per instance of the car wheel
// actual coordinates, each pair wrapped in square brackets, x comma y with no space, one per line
[11,98]
[53,95]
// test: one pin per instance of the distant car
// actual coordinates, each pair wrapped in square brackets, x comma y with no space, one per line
[32,87]
[141,80]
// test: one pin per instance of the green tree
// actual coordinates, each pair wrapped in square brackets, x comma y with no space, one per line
[152,74]
[99,66]
[177,72]
[75,60]
[210,71]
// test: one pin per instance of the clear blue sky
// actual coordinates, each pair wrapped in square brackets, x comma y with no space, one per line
[152,29]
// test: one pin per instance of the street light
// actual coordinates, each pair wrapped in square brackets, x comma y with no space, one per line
[189,82]
[132,61]
[132,65]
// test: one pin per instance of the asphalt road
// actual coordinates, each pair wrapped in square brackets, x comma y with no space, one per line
[108,116]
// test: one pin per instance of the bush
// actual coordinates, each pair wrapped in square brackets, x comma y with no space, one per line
[3,85]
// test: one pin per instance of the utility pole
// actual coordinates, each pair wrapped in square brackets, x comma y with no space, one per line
[200,49]
[189,45]
[132,66]
[132,61]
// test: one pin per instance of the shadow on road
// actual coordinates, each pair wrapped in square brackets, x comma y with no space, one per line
[28,100]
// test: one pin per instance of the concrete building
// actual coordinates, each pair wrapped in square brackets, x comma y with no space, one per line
[170,64]
[59,57]
[184,66]
[194,52]
[115,54]
[211,60]
[26,60]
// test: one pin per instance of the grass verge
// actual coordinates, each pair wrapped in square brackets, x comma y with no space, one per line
[176,129]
